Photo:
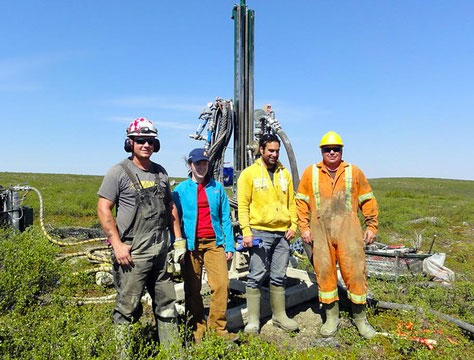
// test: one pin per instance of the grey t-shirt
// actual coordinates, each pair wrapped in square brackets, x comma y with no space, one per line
[118,188]
[271,172]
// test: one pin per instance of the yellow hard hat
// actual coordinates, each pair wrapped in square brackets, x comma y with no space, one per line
[331,138]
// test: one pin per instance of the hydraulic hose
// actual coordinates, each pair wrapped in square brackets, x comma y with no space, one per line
[93,300]
[41,219]
[291,157]
[106,263]
[104,268]
[222,133]
[221,137]
[264,120]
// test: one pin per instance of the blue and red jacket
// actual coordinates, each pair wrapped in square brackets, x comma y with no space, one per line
[185,197]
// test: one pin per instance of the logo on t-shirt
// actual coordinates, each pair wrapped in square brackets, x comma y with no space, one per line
[260,183]
[145,183]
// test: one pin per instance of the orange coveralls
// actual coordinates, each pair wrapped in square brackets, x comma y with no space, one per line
[328,208]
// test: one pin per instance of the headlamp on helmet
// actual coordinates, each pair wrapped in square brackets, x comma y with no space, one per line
[141,127]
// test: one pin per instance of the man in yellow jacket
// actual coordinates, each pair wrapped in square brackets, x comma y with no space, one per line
[267,210]
[329,196]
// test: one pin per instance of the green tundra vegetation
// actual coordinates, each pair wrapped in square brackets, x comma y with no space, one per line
[39,320]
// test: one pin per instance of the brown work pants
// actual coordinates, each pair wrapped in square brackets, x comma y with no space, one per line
[339,239]
[213,259]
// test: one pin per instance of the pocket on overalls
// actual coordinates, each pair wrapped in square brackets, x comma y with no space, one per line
[148,203]
[160,203]
[141,243]
[162,206]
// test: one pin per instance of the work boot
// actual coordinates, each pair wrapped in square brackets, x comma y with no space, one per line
[253,309]
[167,332]
[228,336]
[122,337]
[279,317]
[199,333]
[360,320]
[331,325]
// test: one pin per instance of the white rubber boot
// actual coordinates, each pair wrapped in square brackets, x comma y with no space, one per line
[253,308]
[360,320]
[331,325]
[279,317]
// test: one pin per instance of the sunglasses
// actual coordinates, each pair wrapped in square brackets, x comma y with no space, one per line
[143,140]
[331,148]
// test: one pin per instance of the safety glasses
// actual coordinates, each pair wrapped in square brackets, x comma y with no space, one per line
[143,140]
[328,149]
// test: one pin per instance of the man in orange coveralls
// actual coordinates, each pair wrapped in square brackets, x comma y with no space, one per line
[329,196]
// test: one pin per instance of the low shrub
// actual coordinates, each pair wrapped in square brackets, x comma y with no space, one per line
[28,268]
[58,331]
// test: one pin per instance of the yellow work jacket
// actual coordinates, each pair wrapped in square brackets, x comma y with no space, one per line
[318,194]
[263,204]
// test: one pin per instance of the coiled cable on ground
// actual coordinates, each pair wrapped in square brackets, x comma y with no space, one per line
[89,253]
[93,300]
[41,220]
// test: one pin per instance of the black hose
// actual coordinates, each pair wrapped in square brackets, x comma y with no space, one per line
[291,158]
[220,141]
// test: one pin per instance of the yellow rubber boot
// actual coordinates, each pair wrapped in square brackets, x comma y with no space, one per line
[331,325]
[360,320]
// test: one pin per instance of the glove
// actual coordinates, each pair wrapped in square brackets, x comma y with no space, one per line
[179,249]
[170,266]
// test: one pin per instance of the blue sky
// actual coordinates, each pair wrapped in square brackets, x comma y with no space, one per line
[394,78]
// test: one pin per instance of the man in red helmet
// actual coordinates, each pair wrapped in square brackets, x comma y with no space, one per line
[139,235]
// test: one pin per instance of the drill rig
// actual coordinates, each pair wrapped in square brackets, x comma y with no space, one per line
[223,120]
[237,118]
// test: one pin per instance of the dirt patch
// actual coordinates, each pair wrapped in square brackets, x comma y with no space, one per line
[308,317]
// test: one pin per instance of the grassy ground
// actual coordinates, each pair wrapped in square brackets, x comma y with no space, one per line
[37,320]
[450,202]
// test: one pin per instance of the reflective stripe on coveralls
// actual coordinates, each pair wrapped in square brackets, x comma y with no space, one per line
[348,173]
[345,237]
[365,197]
[357,299]
[317,196]
[302,197]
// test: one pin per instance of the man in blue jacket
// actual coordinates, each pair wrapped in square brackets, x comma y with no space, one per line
[205,217]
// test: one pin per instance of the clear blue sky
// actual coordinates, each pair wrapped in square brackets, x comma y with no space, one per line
[394,78]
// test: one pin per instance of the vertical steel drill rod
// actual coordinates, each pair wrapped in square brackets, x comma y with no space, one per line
[244,19]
